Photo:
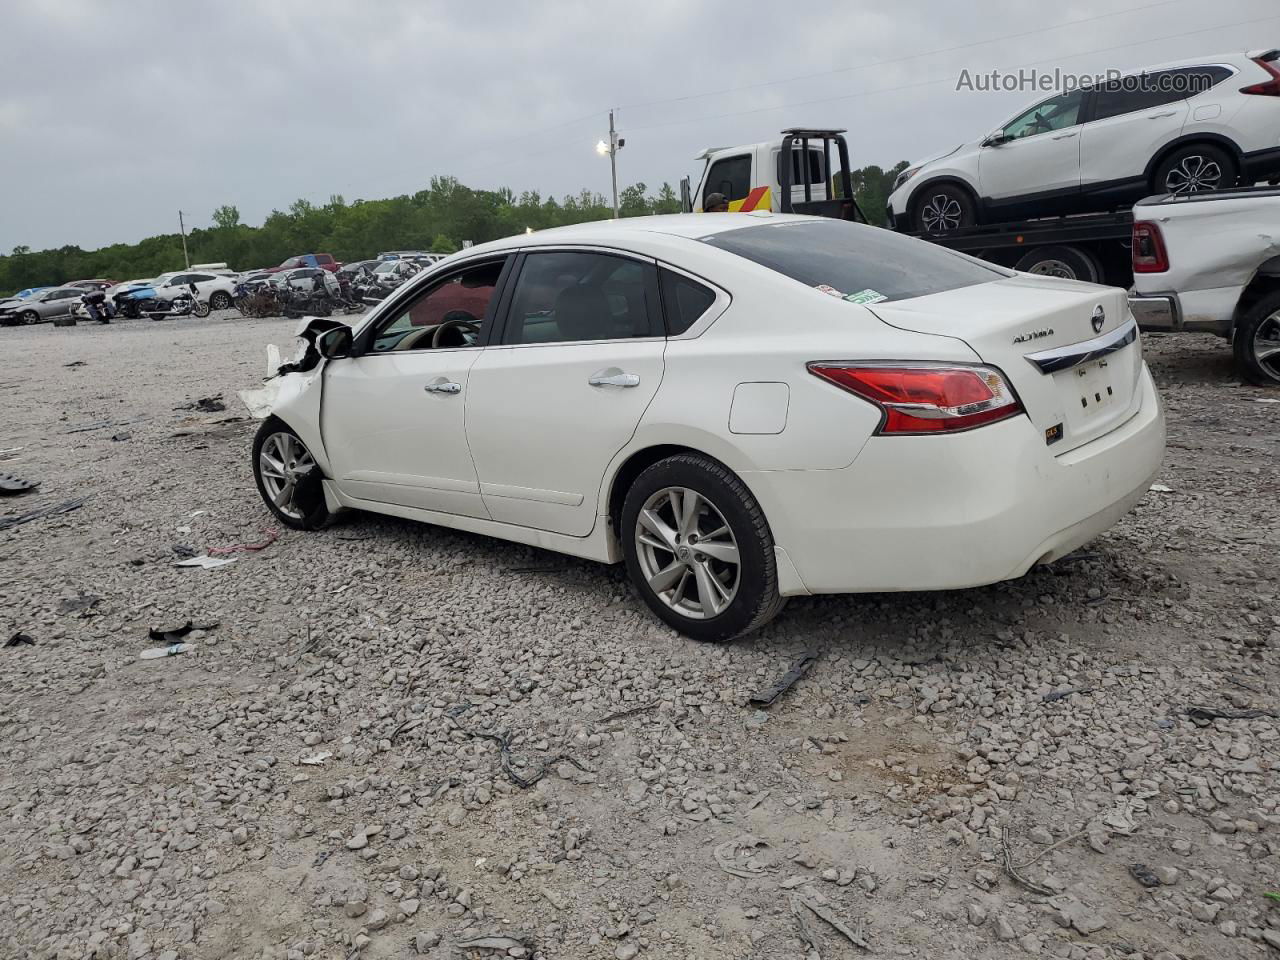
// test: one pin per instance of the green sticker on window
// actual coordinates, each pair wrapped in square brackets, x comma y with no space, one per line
[866,296]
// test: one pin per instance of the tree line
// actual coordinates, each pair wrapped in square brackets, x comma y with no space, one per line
[437,219]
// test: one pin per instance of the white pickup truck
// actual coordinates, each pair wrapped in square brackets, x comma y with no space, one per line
[1210,262]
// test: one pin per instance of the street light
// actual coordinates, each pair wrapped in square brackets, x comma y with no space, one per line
[611,148]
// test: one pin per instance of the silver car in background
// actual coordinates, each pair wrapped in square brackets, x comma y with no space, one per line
[46,305]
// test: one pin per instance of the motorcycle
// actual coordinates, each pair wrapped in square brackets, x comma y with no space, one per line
[183,305]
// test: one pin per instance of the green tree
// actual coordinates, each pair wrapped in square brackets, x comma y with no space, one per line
[226,217]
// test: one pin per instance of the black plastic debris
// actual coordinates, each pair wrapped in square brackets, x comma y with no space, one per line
[74,363]
[212,404]
[769,695]
[175,634]
[1056,695]
[1143,874]
[18,639]
[1203,716]
[121,436]
[183,551]
[11,486]
[52,511]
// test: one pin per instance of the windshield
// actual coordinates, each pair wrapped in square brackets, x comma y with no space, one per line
[860,263]
[389,266]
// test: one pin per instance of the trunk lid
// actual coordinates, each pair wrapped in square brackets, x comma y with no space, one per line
[1076,375]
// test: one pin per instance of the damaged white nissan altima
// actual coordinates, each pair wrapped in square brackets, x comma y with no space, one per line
[740,407]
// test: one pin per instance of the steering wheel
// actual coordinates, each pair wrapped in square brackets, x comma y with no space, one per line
[1040,124]
[460,326]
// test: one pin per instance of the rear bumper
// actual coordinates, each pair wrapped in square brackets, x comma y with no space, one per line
[943,513]
[1198,311]
[1155,313]
[1262,164]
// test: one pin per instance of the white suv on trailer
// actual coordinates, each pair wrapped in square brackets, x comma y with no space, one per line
[1179,128]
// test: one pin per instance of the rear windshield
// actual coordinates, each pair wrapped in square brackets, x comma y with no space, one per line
[857,262]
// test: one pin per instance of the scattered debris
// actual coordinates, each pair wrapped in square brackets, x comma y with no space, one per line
[1012,871]
[621,714]
[317,760]
[212,404]
[493,941]
[406,727]
[1056,695]
[122,436]
[103,424]
[174,634]
[182,550]
[523,782]
[205,562]
[769,695]
[11,486]
[1160,488]
[75,363]
[155,653]
[825,913]
[56,509]
[10,454]
[18,639]
[738,857]
[808,935]
[81,604]
[271,534]
[1203,716]
[1265,400]
[1144,875]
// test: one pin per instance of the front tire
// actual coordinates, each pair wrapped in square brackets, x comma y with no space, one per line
[288,478]
[201,309]
[699,550]
[1195,168]
[1256,342]
[943,208]
[29,317]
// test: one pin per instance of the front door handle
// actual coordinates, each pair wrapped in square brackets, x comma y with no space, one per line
[1066,136]
[442,386]
[606,379]
[1157,116]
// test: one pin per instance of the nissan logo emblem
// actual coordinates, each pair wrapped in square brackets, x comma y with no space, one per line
[1099,318]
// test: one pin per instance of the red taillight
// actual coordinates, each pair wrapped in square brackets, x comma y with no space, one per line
[1267,88]
[1149,255]
[926,398]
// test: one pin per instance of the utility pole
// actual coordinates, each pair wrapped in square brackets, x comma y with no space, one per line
[182,229]
[615,144]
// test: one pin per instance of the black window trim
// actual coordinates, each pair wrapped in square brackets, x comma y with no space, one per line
[709,316]
[391,307]
[653,297]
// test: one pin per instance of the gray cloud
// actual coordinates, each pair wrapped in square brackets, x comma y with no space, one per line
[115,115]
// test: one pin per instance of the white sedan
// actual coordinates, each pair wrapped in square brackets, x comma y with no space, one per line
[743,408]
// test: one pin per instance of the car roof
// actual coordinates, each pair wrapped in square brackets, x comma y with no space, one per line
[1228,58]
[693,226]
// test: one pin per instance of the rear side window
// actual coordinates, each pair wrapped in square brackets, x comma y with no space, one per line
[730,176]
[571,296]
[1145,91]
[683,301]
[855,261]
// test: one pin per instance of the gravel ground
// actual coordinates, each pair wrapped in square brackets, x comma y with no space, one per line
[318,776]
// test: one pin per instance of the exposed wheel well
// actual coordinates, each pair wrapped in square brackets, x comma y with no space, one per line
[1192,140]
[1265,281]
[635,465]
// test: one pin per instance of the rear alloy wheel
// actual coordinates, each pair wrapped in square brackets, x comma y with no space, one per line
[699,550]
[288,477]
[943,208]
[1066,262]
[1256,342]
[220,300]
[1197,168]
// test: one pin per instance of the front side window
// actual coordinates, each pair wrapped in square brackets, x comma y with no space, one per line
[730,176]
[450,313]
[1056,113]
[857,262]
[567,296]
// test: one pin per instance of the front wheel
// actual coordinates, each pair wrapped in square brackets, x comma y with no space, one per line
[943,208]
[288,478]
[30,316]
[699,550]
[200,308]
[1256,342]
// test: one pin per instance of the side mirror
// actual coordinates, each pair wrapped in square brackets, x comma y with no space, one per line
[334,344]
[996,139]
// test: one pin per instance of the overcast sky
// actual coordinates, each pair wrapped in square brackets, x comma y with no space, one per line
[113,115]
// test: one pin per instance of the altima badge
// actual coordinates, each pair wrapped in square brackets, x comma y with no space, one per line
[1033,335]
[1099,318]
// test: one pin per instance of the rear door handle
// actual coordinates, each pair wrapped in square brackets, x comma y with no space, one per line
[442,386]
[1066,136]
[1157,116]
[606,379]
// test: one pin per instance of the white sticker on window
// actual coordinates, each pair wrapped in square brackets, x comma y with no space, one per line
[866,296]
[830,291]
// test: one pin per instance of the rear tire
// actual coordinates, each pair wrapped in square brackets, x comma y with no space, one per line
[1069,263]
[220,300]
[1195,168]
[943,208]
[735,581]
[1258,331]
